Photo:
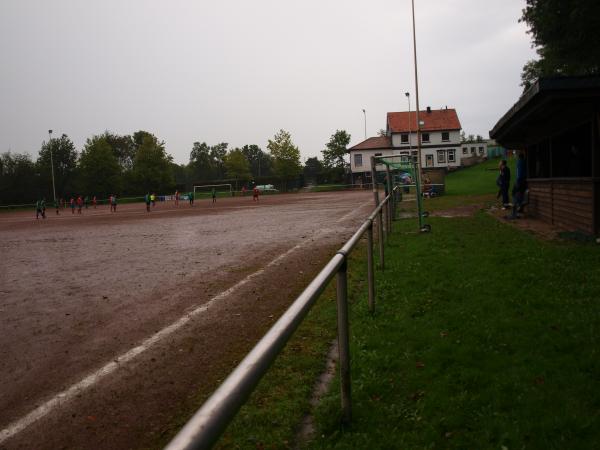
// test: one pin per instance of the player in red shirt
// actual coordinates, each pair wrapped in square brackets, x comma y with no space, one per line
[79,204]
[255,193]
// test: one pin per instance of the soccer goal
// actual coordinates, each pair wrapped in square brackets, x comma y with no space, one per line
[206,190]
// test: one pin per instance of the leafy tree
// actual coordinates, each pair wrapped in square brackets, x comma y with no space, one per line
[99,169]
[18,179]
[334,154]
[201,165]
[260,162]
[123,147]
[381,133]
[237,166]
[286,156]
[312,168]
[64,156]
[152,168]
[217,154]
[565,35]
[463,137]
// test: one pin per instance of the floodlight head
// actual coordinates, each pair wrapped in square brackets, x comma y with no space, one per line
[49,131]
[407,94]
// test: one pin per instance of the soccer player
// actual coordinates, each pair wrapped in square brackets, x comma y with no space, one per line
[94,201]
[86,202]
[255,193]
[113,203]
[147,200]
[57,206]
[79,204]
[153,199]
[214,195]
[72,204]
[191,197]
[177,198]
[38,210]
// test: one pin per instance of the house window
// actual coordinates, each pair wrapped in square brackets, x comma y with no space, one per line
[441,156]
[445,136]
[481,150]
[472,150]
[404,158]
[428,160]
[465,150]
[451,156]
[404,138]
[424,137]
[357,160]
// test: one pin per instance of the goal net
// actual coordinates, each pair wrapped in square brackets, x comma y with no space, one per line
[207,189]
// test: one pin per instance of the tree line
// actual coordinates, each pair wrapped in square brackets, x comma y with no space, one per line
[134,164]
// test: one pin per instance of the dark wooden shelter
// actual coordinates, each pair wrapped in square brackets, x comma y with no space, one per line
[557,124]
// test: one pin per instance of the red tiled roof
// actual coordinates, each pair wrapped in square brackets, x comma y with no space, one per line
[436,120]
[373,143]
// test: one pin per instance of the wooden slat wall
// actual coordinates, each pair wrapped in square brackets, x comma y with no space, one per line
[566,204]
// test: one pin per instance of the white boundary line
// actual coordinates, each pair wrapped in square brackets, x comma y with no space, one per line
[64,396]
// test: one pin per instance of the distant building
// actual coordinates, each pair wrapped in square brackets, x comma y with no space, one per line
[440,141]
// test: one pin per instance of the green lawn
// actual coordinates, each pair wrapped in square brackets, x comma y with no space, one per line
[484,337]
[476,180]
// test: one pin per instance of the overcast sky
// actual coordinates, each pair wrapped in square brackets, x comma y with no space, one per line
[237,71]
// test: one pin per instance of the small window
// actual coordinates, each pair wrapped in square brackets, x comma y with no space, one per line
[404,138]
[414,153]
[424,137]
[404,158]
[481,150]
[441,154]
[445,136]
[357,160]
[378,154]
[465,150]
[472,150]
[451,155]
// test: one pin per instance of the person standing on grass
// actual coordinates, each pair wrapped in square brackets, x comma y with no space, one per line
[153,199]
[520,186]
[503,183]
[191,198]
[72,204]
[214,195]
[255,193]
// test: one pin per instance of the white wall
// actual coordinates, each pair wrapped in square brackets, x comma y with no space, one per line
[435,138]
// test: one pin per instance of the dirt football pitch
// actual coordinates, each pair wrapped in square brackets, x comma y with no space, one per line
[110,322]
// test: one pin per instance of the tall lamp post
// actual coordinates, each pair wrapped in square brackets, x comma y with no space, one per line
[51,164]
[365,113]
[416,92]
[409,128]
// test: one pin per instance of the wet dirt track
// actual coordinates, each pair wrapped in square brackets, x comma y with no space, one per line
[76,292]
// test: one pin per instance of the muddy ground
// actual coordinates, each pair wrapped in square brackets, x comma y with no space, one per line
[78,291]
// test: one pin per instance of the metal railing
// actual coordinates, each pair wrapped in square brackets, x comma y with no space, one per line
[204,428]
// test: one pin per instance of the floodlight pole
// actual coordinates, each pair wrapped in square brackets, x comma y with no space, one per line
[419,163]
[51,164]
[416,88]
[409,128]
[365,113]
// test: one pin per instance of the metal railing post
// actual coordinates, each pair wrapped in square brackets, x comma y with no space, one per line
[391,200]
[344,340]
[380,232]
[370,268]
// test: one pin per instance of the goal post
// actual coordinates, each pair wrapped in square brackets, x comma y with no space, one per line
[205,190]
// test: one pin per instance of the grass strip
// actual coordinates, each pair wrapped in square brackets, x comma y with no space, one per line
[484,337]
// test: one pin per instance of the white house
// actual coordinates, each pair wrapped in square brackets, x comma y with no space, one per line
[440,141]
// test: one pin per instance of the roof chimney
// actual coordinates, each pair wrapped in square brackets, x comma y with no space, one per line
[429,110]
